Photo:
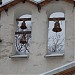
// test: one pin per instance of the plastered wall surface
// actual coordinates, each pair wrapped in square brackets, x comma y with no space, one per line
[36,63]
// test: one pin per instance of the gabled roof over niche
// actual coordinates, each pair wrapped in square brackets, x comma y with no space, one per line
[38,3]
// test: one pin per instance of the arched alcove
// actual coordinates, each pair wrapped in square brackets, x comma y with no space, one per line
[21,47]
[23,35]
[56,34]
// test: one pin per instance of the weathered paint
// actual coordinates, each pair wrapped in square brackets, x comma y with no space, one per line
[36,63]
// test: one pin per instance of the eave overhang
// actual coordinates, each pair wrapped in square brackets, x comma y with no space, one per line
[41,3]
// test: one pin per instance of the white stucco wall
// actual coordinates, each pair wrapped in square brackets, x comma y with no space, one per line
[36,63]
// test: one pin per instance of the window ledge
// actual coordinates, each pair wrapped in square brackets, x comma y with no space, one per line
[19,56]
[54,55]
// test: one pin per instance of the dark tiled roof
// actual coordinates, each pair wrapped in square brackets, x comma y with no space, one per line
[41,3]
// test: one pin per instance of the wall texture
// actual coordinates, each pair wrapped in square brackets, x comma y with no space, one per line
[36,63]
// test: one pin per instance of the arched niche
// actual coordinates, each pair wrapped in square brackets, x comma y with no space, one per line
[54,7]
[56,40]
[65,8]
[20,12]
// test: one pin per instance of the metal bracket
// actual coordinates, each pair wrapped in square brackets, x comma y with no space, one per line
[23,1]
[39,7]
[6,10]
[73,6]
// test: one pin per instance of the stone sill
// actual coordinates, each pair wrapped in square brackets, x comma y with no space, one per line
[54,55]
[19,56]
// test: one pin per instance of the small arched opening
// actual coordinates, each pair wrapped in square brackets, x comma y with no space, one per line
[56,34]
[22,36]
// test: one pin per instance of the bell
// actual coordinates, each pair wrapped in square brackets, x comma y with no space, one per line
[57,27]
[23,26]
[0,2]
[23,40]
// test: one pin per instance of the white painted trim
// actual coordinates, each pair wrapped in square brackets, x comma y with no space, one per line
[54,55]
[37,1]
[19,56]
[59,69]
